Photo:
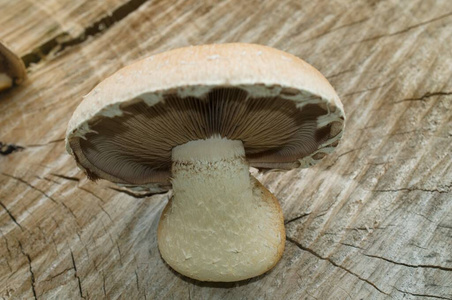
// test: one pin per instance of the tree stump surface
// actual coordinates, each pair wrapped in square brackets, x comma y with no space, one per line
[373,220]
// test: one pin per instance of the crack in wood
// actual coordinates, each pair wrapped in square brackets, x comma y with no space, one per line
[32,275]
[335,264]
[70,210]
[297,218]
[414,189]
[369,229]
[9,252]
[59,274]
[404,30]
[423,216]
[422,295]
[77,276]
[7,149]
[343,154]
[115,242]
[103,285]
[48,179]
[65,177]
[119,251]
[89,192]
[136,277]
[11,216]
[444,226]
[310,295]
[65,40]
[55,245]
[339,73]
[45,144]
[410,265]
[31,186]
[366,90]
[423,97]
[84,245]
[335,29]
[6,244]
[409,132]
[108,215]
[353,246]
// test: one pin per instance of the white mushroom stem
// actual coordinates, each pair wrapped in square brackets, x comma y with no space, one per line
[221,224]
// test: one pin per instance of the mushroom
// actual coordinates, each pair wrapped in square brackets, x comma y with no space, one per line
[195,119]
[12,69]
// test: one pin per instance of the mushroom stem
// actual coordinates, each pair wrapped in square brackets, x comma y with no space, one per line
[221,223]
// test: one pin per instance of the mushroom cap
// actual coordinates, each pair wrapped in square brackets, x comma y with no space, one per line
[11,66]
[285,112]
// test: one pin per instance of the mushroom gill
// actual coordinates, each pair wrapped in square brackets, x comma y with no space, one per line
[136,147]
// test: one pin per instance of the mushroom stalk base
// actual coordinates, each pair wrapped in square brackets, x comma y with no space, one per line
[221,223]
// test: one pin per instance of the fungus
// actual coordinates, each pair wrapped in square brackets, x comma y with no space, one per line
[186,121]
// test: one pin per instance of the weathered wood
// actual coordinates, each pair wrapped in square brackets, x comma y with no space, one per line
[34,29]
[372,221]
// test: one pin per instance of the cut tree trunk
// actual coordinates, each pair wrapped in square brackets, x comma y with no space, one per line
[372,221]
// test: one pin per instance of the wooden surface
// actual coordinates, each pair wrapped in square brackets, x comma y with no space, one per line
[372,221]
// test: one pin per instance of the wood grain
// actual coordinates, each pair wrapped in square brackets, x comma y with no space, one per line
[372,221]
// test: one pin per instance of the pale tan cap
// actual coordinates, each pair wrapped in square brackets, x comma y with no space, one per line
[285,112]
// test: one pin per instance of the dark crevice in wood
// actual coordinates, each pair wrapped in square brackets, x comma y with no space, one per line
[423,216]
[425,96]
[339,73]
[114,242]
[65,177]
[32,275]
[413,189]
[48,180]
[103,285]
[70,210]
[46,144]
[76,276]
[59,274]
[422,295]
[353,246]
[64,40]
[136,277]
[108,215]
[368,229]
[297,218]
[11,216]
[335,29]
[7,149]
[408,132]
[334,264]
[119,251]
[342,154]
[366,90]
[89,192]
[30,185]
[409,265]
[406,29]
[444,226]
[6,244]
